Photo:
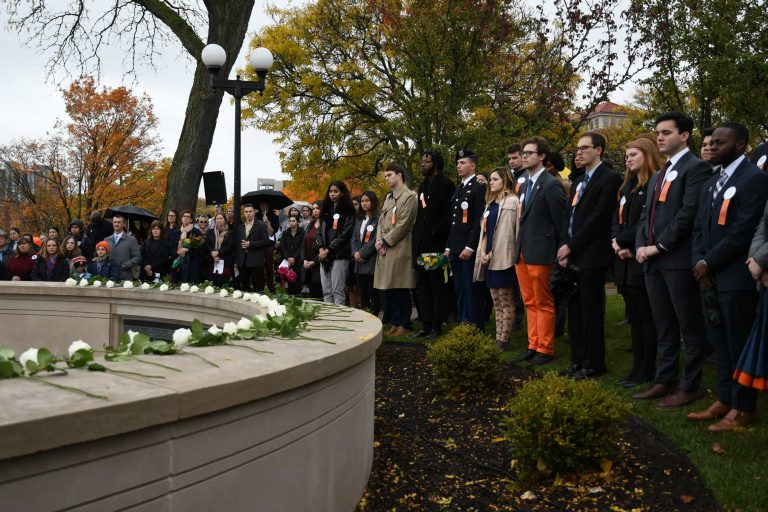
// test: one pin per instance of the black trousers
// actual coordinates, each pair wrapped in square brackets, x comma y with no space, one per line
[433,295]
[369,296]
[638,310]
[676,308]
[738,311]
[586,321]
[252,279]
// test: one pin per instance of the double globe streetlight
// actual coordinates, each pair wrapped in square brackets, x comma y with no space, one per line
[214,57]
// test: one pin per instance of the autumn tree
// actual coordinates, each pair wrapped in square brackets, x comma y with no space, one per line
[363,81]
[105,154]
[74,36]
[709,59]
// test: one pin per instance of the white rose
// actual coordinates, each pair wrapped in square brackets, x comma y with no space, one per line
[194,289]
[247,296]
[29,355]
[261,318]
[110,284]
[83,282]
[70,282]
[244,324]
[230,328]
[163,287]
[214,330]
[184,287]
[78,345]
[223,293]
[96,284]
[237,294]
[130,334]
[209,290]
[145,286]
[181,337]
[278,310]
[128,284]
[256,298]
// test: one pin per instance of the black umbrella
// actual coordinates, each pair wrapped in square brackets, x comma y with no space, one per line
[130,211]
[277,200]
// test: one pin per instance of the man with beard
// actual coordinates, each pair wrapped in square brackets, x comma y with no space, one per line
[430,233]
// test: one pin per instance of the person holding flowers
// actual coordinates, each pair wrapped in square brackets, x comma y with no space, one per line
[190,250]
[496,250]
[394,267]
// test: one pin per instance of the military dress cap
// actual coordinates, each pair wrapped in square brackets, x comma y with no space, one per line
[465,153]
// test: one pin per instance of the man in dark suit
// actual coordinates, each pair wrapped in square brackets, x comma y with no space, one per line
[730,207]
[252,240]
[467,205]
[519,174]
[587,248]
[664,247]
[430,233]
[542,199]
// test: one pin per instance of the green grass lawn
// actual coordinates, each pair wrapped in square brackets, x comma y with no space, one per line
[737,476]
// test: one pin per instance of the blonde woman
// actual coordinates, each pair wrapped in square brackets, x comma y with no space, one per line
[496,249]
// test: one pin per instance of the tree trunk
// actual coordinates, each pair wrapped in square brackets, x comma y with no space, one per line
[228,22]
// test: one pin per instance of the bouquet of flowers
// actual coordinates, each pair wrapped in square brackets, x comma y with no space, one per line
[286,275]
[433,261]
[191,242]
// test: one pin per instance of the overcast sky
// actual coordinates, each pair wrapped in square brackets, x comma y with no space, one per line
[30,105]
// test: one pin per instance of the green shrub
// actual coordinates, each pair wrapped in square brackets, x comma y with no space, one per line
[464,359]
[558,425]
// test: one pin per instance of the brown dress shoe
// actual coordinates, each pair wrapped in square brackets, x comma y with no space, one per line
[714,412]
[391,330]
[656,391]
[678,399]
[400,331]
[732,421]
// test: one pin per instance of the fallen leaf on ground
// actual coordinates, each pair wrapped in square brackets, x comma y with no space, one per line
[687,499]
[528,495]
[595,490]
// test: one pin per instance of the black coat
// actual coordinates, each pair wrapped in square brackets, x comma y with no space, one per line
[292,246]
[628,272]
[258,240]
[159,254]
[590,242]
[432,226]
[227,249]
[674,217]
[366,249]
[338,241]
[99,231]
[466,234]
[60,270]
[725,247]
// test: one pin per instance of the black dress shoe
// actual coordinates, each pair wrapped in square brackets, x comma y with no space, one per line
[587,373]
[421,334]
[526,356]
[433,335]
[633,383]
[622,383]
[541,359]
[569,372]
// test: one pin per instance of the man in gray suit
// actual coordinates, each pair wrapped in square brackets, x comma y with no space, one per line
[123,249]
[664,245]
[542,200]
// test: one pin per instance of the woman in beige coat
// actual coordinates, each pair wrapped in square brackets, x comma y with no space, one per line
[496,249]
[394,267]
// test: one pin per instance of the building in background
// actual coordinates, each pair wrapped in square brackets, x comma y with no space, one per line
[606,115]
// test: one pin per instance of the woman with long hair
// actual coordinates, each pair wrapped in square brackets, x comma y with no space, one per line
[333,243]
[220,243]
[22,262]
[364,250]
[642,160]
[70,250]
[190,247]
[50,265]
[156,254]
[496,249]
[311,261]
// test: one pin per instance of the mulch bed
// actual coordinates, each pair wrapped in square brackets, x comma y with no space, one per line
[436,453]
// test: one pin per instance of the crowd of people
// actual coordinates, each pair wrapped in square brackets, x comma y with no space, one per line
[683,236]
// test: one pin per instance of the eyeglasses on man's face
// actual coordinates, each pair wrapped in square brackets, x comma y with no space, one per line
[582,149]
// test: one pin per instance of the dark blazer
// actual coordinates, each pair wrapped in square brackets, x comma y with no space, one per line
[466,234]
[674,218]
[726,248]
[293,246]
[227,249]
[60,270]
[628,272]
[338,241]
[367,249]
[590,243]
[432,226]
[158,254]
[541,220]
[258,240]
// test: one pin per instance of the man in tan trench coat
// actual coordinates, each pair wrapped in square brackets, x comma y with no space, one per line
[394,266]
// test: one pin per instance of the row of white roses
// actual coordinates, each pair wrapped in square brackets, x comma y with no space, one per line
[273,307]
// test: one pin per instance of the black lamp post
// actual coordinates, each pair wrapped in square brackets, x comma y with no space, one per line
[261,60]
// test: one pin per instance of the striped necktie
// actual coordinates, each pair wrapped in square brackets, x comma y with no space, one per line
[720,183]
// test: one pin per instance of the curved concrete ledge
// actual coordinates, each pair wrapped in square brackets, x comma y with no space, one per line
[292,430]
